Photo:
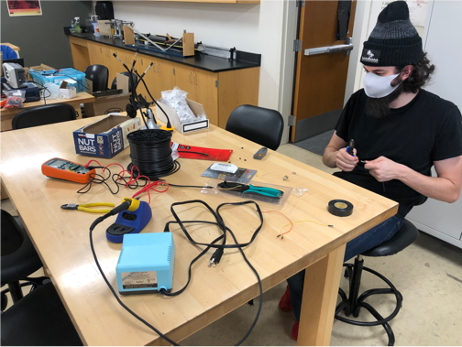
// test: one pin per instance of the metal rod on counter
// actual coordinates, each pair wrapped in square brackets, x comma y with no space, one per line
[152,42]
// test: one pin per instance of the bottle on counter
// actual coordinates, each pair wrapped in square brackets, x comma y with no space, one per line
[77,25]
[94,25]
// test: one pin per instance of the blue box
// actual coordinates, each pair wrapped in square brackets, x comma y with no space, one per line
[146,263]
[105,137]
[73,77]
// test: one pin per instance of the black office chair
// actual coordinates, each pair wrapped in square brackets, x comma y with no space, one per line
[130,82]
[257,124]
[19,259]
[99,75]
[39,319]
[42,115]
[354,302]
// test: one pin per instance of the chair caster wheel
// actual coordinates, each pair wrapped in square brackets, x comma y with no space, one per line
[4,302]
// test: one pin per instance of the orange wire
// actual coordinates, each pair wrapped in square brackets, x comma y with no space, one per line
[291,223]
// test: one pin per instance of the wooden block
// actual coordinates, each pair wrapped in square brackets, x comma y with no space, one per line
[129,35]
[104,29]
[188,44]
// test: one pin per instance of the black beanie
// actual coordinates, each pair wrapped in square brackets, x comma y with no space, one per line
[394,40]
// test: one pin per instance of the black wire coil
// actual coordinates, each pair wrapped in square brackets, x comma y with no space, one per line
[151,153]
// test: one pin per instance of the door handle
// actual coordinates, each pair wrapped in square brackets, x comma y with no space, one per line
[347,48]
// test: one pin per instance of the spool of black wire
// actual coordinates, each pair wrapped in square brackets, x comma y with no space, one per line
[151,153]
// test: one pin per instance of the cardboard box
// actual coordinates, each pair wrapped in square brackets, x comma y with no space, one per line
[67,93]
[104,103]
[105,137]
[41,67]
[197,109]
[3,194]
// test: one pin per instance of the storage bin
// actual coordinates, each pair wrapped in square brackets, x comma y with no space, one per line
[73,77]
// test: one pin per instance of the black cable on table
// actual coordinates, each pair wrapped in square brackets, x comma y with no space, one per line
[92,227]
[151,153]
[221,224]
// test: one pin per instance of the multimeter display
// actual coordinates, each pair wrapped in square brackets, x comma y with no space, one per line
[66,170]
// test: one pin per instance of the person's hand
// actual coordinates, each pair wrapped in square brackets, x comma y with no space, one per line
[382,168]
[345,161]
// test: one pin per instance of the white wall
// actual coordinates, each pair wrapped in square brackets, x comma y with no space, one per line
[248,27]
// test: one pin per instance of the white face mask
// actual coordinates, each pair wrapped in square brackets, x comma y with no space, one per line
[378,86]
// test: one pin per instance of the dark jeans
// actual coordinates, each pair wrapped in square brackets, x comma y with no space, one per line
[374,237]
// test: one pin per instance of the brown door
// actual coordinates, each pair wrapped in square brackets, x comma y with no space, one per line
[321,70]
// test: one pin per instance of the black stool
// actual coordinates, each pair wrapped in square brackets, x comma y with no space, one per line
[353,303]
[39,319]
[19,259]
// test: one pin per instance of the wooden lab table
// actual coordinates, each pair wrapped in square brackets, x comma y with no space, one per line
[62,238]
[6,116]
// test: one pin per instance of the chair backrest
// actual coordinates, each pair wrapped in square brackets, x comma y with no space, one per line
[8,52]
[42,115]
[99,75]
[19,257]
[257,124]
[130,83]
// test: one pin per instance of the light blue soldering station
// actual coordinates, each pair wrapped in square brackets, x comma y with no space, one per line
[146,263]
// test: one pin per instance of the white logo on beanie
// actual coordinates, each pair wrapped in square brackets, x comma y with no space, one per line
[369,56]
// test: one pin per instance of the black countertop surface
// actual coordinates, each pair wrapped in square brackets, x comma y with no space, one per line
[201,61]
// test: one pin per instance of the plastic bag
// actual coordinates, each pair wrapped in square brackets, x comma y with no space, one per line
[176,99]
[50,91]
[15,98]
[299,191]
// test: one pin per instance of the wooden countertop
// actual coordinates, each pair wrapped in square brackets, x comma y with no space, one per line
[201,61]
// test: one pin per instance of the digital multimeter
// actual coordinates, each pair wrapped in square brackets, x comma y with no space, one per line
[66,170]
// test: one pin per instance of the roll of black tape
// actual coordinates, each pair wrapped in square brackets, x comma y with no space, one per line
[340,208]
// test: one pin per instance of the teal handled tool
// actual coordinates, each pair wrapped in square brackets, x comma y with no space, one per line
[83,207]
[250,189]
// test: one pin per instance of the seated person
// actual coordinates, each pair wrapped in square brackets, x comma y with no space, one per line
[400,131]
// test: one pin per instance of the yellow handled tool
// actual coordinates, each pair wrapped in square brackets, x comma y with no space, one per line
[83,207]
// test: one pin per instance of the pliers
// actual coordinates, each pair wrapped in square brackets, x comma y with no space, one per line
[250,189]
[83,207]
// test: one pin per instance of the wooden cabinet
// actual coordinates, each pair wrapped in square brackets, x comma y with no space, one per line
[159,77]
[219,92]
[80,52]
[202,87]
